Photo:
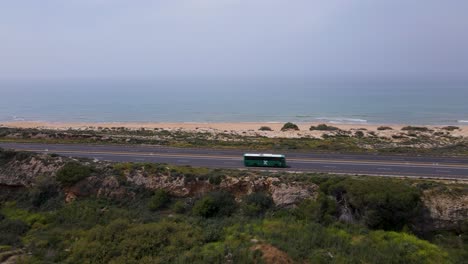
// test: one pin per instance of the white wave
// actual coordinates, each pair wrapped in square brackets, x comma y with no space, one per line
[342,120]
[17,118]
[462,121]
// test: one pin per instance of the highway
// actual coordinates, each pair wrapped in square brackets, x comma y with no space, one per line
[362,164]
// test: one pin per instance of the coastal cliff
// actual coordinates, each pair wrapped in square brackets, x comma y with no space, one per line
[446,205]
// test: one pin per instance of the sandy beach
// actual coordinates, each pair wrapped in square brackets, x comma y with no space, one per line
[242,128]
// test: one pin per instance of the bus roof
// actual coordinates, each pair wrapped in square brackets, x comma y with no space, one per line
[263,155]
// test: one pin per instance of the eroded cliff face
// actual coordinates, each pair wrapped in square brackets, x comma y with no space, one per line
[107,183]
[445,208]
[23,170]
[284,194]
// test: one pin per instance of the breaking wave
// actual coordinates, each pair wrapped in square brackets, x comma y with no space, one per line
[342,120]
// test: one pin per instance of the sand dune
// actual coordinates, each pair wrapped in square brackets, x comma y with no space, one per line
[246,128]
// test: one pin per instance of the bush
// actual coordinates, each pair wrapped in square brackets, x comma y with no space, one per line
[215,179]
[11,232]
[415,128]
[323,210]
[324,127]
[73,172]
[43,190]
[314,243]
[257,203]
[179,207]
[265,128]
[6,156]
[215,204]
[359,134]
[450,128]
[125,242]
[384,128]
[159,200]
[380,203]
[289,126]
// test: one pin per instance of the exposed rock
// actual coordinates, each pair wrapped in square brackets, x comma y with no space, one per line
[103,187]
[446,210]
[177,186]
[290,194]
[23,172]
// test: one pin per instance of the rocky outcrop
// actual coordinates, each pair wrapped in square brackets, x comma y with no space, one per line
[105,182]
[290,194]
[446,209]
[101,187]
[283,194]
[23,172]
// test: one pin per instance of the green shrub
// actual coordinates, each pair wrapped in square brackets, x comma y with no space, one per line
[73,172]
[256,203]
[125,242]
[44,189]
[307,242]
[324,127]
[289,126]
[179,207]
[323,210]
[159,200]
[384,128]
[416,128]
[11,232]
[215,204]
[450,128]
[380,203]
[359,134]
[215,179]
[265,128]
[6,156]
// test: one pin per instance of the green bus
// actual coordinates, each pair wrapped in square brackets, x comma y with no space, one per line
[264,160]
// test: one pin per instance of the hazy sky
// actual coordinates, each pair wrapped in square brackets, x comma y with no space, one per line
[86,39]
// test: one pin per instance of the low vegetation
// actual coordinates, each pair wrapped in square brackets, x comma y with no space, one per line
[289,126]
[450,128]
[324,127]
[416,128]
[159,200]
[381,128]
[439,142]
[265,128]
[72,173]
[351,220]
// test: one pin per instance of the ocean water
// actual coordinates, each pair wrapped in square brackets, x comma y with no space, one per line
[234,101]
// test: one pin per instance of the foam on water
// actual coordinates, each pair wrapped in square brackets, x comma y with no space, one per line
[342,120]
[462,121]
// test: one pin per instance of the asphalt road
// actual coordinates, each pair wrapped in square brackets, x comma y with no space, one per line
[409,166]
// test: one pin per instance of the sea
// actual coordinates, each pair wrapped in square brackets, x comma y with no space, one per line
[235,100]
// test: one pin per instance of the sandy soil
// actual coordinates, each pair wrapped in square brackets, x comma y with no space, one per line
[233,128]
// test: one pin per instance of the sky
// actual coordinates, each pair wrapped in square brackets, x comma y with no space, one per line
[123,39]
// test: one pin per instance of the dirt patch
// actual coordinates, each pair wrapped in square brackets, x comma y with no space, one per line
[272,255]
